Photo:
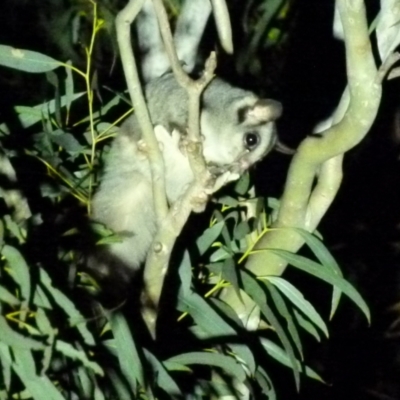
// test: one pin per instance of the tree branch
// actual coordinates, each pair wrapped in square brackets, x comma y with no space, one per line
[197,194]
[124,20]
[302,204]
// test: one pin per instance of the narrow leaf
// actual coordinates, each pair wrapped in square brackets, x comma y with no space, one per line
[164,380]
[20,269]
[206,317]
[127,353]
[253,289]
[75,354]
[285,313]
[209,236]
[281,356]
[265,383]
[26,60]
[326,259]
[14,339]
[75,317]
[185,273]
[228,364]
[306,325]
[297,298]
[7,297]
[317,270]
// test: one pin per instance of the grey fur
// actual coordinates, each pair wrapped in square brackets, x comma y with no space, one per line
[124,201]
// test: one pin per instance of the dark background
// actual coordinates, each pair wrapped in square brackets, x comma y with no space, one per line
[306,73]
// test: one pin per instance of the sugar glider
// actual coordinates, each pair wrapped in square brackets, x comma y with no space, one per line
[238,129]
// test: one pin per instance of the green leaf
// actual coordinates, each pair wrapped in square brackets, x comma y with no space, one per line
[209,236]
[19,268]
[211,322]
[39,387]
[228,201]
[265,383]
[75,354]
[230,274]
[127,353]
[29,116]
[98,393]
[40,299]
[225,233]
[67,142]
[306,325]
[69,86]
[43,323]
[228,364]
[241,230]
[15,339]
[226,310]
[280,355]
[15,230]
[163,378]
[243,184]
[26,60]
[326,259]
[297,298]
[173,366]
[220,254]
[322,273]
[5,362]
[185,273]
[119,385]
[285,313]
[7,297]
[82,382]
[75,317]
[253,289]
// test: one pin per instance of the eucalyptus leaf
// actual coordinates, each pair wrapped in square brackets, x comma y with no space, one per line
[254,290]
[228,364]
[20,270]
[164,380]
[280,355]
[69,351]
[185,274]
[39,387]
[75,317]
[69,86]
[125,347]
[306,325]
[322,273]
[29,116]
[220,254]
[326,259]
[5,362]
[26,60]
[67,142]
[243,184]
[7,297]
[209,236]
[15,340]
[119,385]
[98,393]
[241,230]
[230,274]
[297,299]
[228,201]
[206,317]
[286,314]
[265,383]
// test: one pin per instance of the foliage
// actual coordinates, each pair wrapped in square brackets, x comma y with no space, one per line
[52,347]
